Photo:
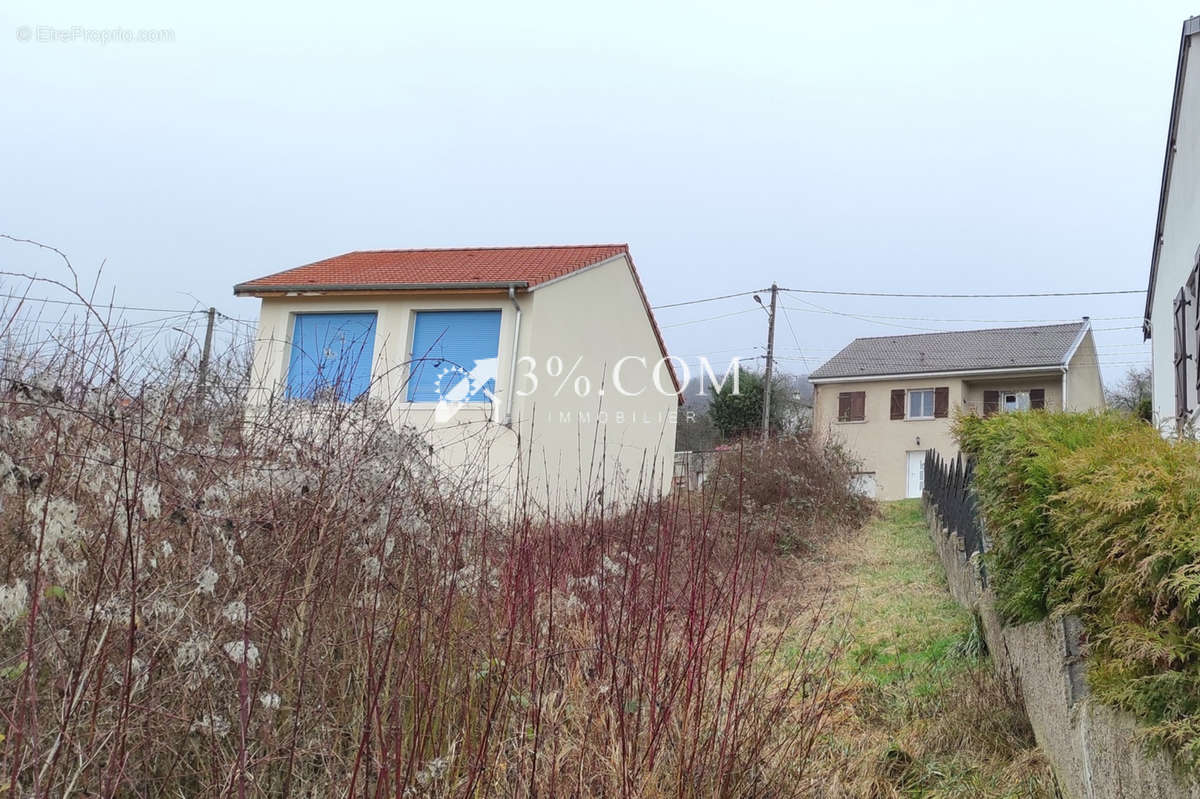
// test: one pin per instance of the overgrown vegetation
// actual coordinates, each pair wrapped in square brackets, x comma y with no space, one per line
[925,714]
[1097,515]
[298,605]
[798,482]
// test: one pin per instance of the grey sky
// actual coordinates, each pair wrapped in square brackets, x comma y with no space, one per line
[948,146]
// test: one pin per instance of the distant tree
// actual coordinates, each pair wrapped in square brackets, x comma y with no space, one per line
[737,413]
[1132,394]
[741,413]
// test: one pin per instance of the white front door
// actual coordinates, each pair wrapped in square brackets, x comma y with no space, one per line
[916,474]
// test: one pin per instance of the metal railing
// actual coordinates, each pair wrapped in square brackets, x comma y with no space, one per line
[949,493]
[976,407]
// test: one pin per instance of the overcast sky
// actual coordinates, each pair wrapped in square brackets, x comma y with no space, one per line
[942,146]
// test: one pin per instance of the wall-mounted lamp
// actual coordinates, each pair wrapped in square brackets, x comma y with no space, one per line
[918,441]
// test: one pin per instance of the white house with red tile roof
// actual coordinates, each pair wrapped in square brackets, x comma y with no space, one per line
[534,366]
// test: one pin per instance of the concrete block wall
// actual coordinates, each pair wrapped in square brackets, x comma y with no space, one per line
[1093,749]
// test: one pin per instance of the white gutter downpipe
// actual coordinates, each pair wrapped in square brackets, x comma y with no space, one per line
[512,366]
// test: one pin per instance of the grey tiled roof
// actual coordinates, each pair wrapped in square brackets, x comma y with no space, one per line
[966,350]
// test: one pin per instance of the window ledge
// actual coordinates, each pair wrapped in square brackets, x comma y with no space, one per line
[425,405]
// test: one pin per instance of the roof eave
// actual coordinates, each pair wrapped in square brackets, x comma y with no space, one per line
[1056,367]
[658,336]
[568,275]
[1191,26]
[252,290]
[1074,348]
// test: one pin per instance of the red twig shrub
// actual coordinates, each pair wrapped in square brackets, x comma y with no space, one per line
[191,605]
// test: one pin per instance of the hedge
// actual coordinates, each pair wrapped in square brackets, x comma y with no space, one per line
[1097,515]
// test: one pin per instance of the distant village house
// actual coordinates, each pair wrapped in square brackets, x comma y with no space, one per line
[891,399]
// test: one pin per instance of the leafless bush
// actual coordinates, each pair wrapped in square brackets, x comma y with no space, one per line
[196,605]
[804,482]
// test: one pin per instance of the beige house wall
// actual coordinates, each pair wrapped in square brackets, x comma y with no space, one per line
[882,444]
[559,445]
[590,432]
[1085,391]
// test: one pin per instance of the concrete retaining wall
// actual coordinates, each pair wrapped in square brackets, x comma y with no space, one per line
[1092,748]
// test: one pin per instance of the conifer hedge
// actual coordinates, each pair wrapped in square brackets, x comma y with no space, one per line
[1097,515]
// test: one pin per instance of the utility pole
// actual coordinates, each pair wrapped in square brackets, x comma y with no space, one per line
[766,424]
[205,355]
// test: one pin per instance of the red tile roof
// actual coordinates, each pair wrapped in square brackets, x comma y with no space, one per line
[397,269]
[468,267]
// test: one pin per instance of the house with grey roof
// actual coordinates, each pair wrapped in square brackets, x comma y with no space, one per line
[892,399]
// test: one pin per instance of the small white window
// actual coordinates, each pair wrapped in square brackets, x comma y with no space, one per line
[920,404]
[1011,401]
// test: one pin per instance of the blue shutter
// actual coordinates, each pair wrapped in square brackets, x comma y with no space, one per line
[331,356]
[450,347]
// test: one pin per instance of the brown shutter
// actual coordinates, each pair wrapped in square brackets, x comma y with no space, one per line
[858,406]
[1037,399]
[941,402]
[1179,317]
[991,402]
[897,403]
[844,407]
[1196,341]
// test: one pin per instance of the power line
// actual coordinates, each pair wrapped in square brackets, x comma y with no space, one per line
[68,323]
[1102,352]
[749,348]
[870,317]
[1110,349]
[952,296]
[710,318]
[103,306]
[1060,320]
[1021,295]
[795,338]
[877,319]
[97,305]
[705,299]
[1104,358]
[860,317]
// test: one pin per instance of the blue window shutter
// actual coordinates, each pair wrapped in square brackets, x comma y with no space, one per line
[331,356]
[450,347]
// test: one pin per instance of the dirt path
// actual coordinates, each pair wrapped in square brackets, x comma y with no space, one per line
[926,716]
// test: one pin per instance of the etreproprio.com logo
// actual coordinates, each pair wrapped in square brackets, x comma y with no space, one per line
[458,385]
